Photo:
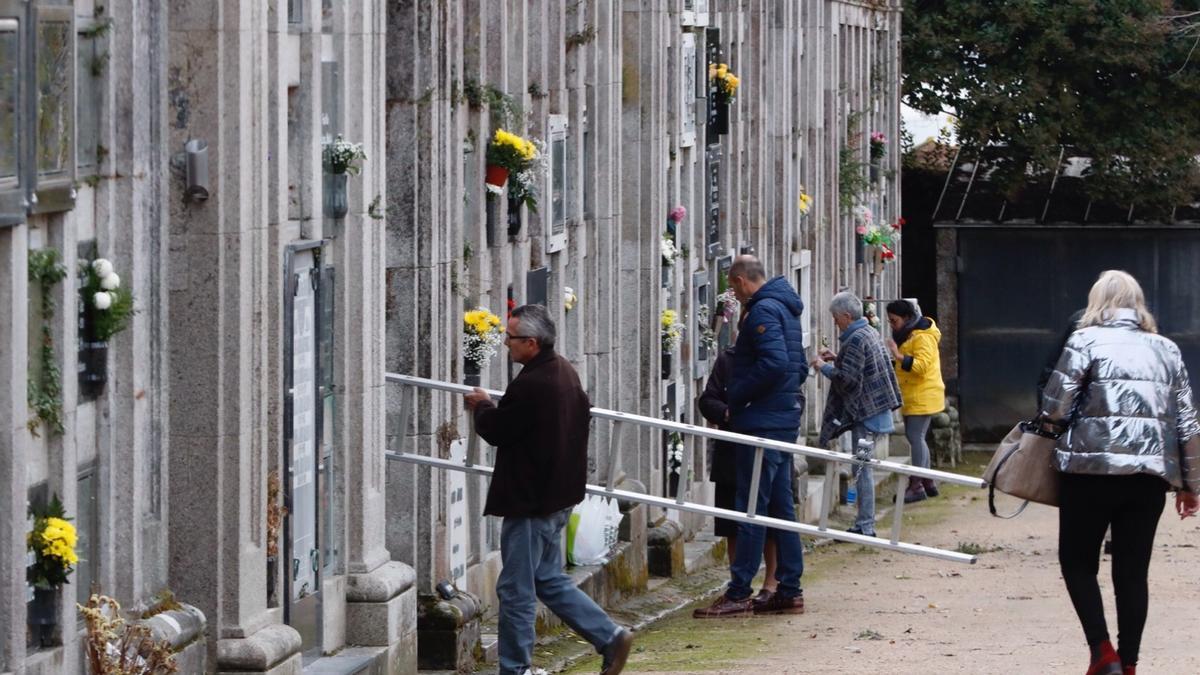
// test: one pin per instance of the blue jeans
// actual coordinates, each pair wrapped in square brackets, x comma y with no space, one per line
[775,499]
[865,520]
[531,551]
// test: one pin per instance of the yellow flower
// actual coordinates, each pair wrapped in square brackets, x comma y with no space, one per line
[722,69]
[481,322]
[58,539]
[668,318]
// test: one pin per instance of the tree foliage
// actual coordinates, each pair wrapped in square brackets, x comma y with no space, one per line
[1115,80]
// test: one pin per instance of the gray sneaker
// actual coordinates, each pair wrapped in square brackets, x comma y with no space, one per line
[616,653]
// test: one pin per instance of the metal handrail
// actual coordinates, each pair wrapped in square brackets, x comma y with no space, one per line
[679,502]
[718,435]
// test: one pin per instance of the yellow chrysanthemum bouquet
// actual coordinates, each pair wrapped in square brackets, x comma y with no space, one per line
[727,83]
[510,155]
[52,542]
[482,335]
[670,330]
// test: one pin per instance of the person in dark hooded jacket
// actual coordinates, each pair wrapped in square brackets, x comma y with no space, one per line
[765,399]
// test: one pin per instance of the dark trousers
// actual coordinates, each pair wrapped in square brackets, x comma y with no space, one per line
[774,499]
[1089,505]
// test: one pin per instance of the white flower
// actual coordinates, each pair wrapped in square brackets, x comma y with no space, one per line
[669,252]
[111,282]
[102,300]
[102,267]
[862,214]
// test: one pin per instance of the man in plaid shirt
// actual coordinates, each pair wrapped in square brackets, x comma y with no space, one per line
[863,394]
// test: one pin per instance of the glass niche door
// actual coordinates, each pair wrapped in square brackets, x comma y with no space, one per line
[308,539]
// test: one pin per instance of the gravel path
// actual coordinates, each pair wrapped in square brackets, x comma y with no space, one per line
[878,612]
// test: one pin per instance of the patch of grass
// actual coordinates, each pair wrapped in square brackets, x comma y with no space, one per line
[971,548]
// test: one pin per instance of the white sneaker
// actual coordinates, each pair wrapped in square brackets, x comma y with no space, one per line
[535,671]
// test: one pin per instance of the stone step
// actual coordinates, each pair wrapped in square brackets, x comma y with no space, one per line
[702,552]
[352,661]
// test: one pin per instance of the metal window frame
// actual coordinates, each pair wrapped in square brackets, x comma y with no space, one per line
[13,199]
[83,25]
[687,90]
[558,130]
[317,247]
[55,193]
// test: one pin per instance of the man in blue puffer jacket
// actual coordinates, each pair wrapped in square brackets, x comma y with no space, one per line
[765,399]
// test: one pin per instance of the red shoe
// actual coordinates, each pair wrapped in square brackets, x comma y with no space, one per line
[1130,670]
[1107,663]
[724,607]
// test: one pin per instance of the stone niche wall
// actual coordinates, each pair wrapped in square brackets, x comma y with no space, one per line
[629,82]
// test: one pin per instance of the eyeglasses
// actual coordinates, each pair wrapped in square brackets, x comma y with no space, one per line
[509,338]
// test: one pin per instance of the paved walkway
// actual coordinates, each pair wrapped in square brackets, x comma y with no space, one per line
[871,611]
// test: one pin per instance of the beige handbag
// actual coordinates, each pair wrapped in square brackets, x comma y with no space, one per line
[1023,467]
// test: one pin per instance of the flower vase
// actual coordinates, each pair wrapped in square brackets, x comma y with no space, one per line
[272,574]
[877,259]
[93,368]
[666,366]
[666,276]
[875,170]
[335,201]
[673,483]
[496,177]
[471,373]
[720,120]
[43,616]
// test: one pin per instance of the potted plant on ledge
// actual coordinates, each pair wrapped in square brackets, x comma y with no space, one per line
[878,150]
[51,543]
[106,307]
[671,332]
[340,159]
[522,160]
[724,86]
[482,335]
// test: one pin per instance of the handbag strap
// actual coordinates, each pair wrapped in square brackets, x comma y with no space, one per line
[992,483]
[992,504]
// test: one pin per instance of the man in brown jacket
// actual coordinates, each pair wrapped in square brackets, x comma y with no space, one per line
[540,430]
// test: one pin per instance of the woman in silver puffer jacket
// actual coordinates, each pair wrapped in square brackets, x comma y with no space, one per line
[1121,393]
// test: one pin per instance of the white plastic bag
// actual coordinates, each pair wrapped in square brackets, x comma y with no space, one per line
[592,530]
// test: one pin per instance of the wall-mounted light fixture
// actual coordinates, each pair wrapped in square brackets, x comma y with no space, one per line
[197,170]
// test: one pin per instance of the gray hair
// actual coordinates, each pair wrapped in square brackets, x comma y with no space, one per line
[846,303]
[536,323]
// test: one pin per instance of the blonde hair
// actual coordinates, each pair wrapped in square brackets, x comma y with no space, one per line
[1114,290]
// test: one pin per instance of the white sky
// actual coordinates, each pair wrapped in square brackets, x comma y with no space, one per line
[922,126]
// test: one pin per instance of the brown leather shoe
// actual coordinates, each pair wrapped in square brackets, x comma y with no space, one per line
[763,595]
[724,607]
[778,604]
[617,653]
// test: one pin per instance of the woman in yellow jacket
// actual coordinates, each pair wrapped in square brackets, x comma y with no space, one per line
[914,348]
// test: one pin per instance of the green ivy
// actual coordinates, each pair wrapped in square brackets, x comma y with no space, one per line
[45,389]
[852,178]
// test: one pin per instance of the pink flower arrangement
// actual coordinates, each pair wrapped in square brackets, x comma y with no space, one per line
[678,214]
[878,145]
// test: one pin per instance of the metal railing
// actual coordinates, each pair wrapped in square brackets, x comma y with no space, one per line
[832,459]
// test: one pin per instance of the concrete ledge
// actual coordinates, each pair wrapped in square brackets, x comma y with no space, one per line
[448,633]
[664,549]
[360,660]
[381,584]
[292,666]
[380,624]
[264,651]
